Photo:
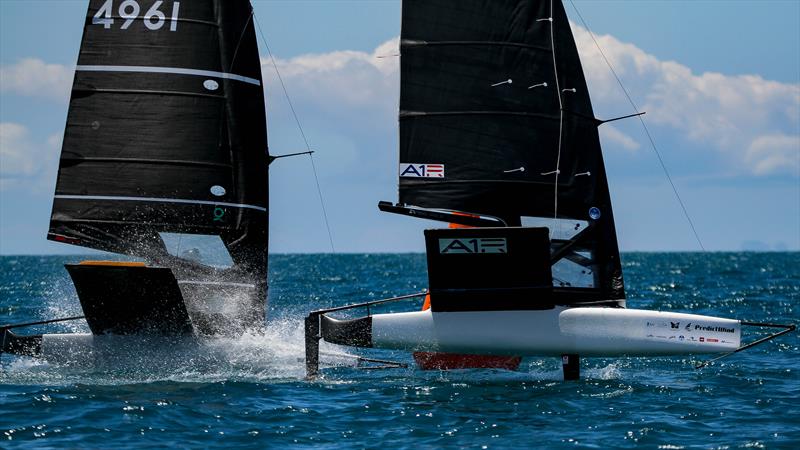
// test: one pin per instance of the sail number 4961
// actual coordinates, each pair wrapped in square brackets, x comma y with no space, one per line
[129,10]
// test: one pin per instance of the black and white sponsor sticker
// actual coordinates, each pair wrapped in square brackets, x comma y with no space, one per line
[414,170]
[472,245]
[691,331]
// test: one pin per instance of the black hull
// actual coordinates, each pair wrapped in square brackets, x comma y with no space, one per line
[123,299]
[20,345]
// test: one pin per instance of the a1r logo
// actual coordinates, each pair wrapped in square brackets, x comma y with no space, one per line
[474,245]
[414,170]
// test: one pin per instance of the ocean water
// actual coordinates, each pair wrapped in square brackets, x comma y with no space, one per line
[251,392]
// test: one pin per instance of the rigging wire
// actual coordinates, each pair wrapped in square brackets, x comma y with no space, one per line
[646,130]
[302,133]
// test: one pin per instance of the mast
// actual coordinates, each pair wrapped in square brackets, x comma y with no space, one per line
[165,147]
[496,120]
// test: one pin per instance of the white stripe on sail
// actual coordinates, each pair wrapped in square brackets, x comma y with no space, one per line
[174,70]
[159,200]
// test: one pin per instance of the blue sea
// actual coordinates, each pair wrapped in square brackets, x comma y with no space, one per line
[251,392]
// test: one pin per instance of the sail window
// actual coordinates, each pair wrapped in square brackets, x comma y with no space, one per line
[574,270]
[205,249]
[568,273]
[560,229]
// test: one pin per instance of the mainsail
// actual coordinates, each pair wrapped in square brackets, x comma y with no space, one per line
[165,149]
[496,120]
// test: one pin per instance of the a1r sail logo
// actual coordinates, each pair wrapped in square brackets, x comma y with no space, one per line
[475,245]
[414,170]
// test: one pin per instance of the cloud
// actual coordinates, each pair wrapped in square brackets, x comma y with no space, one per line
[751,122]
[15,151]
[366,84]
[25,163]
[33,77]
[775,153]
[611,134]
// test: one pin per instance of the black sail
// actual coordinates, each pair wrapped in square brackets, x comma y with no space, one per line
[495,119]
[165,149]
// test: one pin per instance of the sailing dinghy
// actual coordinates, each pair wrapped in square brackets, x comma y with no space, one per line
[165,160]
[498,138]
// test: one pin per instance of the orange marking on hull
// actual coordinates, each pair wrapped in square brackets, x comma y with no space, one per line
[113,263]
[427,303]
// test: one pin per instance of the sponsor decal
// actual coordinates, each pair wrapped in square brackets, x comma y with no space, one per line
[688,326]
[211,85]
[712,340]
[712,328]
[675,324]
[681,337]
[219,214]
[217,190]
[414,170]
[702,339]
[475,245]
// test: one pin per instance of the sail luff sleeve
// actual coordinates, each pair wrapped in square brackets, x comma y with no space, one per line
[246,124]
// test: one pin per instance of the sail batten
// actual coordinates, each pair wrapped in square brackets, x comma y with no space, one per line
[80,159]
[146,91]
[159,200]
[169,70]
[410,44]
[415,114]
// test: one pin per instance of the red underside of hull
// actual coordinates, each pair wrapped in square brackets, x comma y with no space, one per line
[451,361]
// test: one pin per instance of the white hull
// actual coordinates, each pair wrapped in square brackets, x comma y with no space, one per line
[585,331]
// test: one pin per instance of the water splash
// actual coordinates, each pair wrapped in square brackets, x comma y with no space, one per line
[271,354]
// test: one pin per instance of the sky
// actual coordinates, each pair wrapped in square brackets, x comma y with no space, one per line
[719,80]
